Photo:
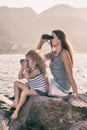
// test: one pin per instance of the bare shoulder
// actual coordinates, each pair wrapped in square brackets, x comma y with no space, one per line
[65,54]
[36,71]
[66,57]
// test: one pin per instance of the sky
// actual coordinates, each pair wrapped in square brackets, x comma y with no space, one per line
[40,5]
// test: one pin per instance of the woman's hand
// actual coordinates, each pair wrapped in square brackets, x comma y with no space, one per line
[41,42]
[74,94]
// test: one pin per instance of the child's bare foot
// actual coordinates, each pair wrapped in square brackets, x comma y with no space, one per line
[14,115]
[13,105]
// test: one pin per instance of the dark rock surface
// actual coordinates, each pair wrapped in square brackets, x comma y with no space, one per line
[48,113]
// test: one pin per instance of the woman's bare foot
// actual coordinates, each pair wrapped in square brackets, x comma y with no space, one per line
[14,115]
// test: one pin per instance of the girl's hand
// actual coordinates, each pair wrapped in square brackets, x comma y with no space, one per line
[25,64]
[22,66]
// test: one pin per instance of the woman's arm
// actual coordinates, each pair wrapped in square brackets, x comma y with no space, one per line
[42,41]
[68,66]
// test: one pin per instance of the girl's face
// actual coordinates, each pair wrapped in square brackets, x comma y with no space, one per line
[55,41]
[31,63]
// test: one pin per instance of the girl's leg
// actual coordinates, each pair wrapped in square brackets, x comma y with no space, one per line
[18,86]
[22,100]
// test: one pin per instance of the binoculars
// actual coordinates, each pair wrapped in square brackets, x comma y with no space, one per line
[46,36]
[22,60]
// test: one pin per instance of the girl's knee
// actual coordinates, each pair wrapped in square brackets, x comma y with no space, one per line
[16,83]
[24,93]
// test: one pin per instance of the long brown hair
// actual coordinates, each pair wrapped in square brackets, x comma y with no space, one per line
[37,56]
[65,43]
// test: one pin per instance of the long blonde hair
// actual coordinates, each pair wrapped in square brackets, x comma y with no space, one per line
[65,44]
[37,56]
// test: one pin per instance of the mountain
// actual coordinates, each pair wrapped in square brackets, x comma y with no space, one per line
[21,28]
[66,10]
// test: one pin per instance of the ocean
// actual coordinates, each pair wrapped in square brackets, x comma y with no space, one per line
[10,65]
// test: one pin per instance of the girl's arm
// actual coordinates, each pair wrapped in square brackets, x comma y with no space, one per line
[20,74]
[68,66]
[26,73]
[32,74]
[47,84]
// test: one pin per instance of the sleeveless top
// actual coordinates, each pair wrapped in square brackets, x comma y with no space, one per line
[59,73]
[37,83]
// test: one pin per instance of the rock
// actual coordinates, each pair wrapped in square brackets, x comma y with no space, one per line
[56,113]
[81,125]
[52,113]
[3,123]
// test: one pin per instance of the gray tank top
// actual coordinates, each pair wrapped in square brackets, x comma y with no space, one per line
[59,73]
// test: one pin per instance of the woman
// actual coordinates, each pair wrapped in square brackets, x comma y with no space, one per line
[61,63]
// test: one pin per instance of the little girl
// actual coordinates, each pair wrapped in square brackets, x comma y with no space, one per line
[33,69]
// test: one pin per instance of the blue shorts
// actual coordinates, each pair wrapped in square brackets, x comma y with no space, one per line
[41,93]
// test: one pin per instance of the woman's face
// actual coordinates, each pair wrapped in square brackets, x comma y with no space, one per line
[55,41]
[31,63]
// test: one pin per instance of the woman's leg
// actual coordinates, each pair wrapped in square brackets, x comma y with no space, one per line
[22,100]
[18,86]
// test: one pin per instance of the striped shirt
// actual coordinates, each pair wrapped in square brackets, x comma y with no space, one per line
[59,73]
[37,83]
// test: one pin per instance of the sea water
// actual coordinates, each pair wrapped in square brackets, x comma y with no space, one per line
[10,65]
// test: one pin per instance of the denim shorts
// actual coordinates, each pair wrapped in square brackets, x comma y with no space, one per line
[41,93]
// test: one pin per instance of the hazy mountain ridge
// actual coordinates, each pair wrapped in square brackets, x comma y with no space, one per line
[66,10]
[21,28]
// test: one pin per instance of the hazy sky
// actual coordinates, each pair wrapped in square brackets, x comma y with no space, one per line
[41,5]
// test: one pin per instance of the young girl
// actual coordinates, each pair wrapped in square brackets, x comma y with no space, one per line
[33,68]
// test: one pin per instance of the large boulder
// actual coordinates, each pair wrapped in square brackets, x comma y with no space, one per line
[52,113]
[49,113]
